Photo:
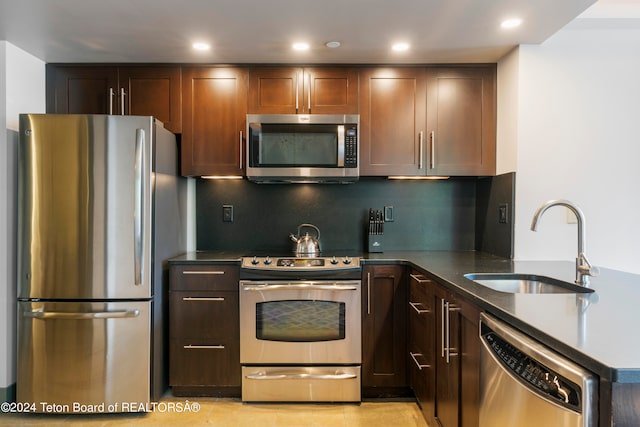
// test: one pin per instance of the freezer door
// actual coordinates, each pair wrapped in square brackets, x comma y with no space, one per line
[85,206]
[91,354]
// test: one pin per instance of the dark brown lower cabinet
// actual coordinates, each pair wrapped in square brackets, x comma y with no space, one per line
[384,320]
[421,343]
[204,353]
[443,353]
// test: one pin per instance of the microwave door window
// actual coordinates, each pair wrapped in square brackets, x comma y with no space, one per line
[311,147]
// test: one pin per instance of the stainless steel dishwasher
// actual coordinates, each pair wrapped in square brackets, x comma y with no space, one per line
[523,383]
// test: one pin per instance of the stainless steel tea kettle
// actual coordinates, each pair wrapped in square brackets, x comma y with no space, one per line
[306,245]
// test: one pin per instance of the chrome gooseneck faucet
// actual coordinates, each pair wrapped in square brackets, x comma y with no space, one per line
[583,268]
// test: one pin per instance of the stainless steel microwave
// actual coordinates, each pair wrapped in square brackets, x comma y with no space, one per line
[302,148]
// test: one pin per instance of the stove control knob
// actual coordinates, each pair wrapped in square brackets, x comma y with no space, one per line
[267,261]
[334,261]
[255,261]
[346,260]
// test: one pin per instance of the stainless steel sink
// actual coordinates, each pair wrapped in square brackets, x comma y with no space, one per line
[515,283]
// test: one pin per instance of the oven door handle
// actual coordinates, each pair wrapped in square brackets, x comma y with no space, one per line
[299,286]
[341,376]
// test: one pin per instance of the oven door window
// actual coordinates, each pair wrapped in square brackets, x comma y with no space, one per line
[300,320]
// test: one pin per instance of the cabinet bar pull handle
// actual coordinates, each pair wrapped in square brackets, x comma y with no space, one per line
[419,279]
[442,327]
[296,92]
[241,150]
[415,304]
[449,308]
[214,272]
[413,356]
[368,293]
[420,148]
[202,299]
[214,347]
[111,94]
[309,96]
[433,149]
[447,332]
[123,94]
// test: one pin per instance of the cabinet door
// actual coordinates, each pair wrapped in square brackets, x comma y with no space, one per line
[457,360]
[447,366]
[152,91]
[214,106]
[330,90]
[276,90]
[82,90]
[461,121]
[384,326]
[392,121]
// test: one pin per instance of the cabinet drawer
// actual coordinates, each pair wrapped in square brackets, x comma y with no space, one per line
[205,277]
[210,363]
[204,315]
[422,383]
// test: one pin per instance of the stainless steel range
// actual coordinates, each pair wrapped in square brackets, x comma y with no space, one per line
[300,329]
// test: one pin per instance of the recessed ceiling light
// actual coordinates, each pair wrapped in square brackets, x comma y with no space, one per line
[332,44]
[201,46]
[400,47]
[511,23]
[301,46]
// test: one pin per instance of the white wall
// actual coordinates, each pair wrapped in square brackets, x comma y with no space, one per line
[22,89]
[578,138]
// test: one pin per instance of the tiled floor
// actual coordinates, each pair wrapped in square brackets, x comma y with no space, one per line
[232,412]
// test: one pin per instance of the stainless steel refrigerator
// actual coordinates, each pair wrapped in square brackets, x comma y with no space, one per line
[100,209]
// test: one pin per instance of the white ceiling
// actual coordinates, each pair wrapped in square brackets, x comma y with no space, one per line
[262,31]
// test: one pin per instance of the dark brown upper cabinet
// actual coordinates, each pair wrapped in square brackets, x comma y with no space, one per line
[215,109]
[392,121]
[142,91]
[418,121]
[461,121]
[295,90]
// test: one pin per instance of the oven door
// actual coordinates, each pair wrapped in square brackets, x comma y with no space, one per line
[302,322]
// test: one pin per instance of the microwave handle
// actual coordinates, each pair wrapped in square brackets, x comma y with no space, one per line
[340,145]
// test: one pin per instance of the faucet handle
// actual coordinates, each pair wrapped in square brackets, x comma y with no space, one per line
[585,267]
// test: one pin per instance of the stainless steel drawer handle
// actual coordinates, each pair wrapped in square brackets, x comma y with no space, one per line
[206,272]
[202,299]
[339,376]
[413,356]
[419,279]
[209,347]
[415,307]
[82,316]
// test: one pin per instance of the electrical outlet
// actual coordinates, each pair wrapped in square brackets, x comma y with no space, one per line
[227,213]
[503,213]
[571,217]
[388,214]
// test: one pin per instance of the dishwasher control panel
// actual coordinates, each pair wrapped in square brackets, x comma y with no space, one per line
[533,373]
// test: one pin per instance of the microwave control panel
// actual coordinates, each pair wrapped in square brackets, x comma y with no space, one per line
[351,147]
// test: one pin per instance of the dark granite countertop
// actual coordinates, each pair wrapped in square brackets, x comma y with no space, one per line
[596,330]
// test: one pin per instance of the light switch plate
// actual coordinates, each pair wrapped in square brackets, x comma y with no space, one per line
[227,213]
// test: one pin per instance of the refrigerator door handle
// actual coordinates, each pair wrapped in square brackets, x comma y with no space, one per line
[118,314]
[138,219]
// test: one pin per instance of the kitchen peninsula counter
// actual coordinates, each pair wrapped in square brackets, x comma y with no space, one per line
[597,330]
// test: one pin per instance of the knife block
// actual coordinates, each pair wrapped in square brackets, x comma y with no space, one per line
[375,242]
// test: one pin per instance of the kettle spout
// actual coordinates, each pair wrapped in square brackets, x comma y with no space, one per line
[293,238]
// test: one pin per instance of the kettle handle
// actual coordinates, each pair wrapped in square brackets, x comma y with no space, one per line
[311,226]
